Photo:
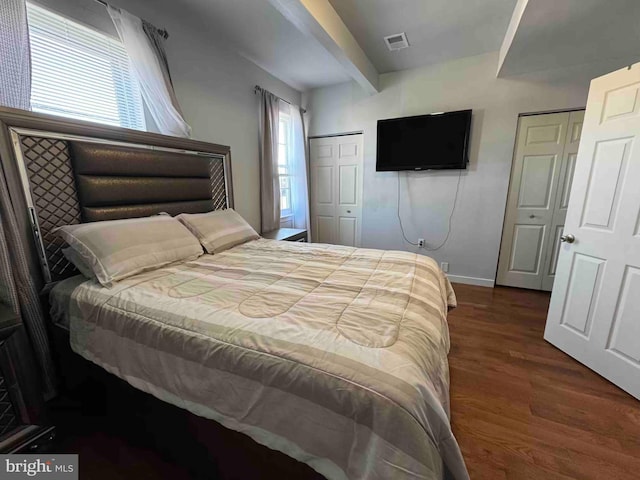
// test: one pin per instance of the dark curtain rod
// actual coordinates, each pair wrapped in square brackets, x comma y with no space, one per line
[161,31]
[258,88]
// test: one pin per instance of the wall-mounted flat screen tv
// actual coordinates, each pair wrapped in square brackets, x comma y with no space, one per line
[424,142]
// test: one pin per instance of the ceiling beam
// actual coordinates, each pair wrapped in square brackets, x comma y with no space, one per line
[516,18]
[319,20]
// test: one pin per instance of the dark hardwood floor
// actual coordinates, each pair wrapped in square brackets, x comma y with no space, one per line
[521,410]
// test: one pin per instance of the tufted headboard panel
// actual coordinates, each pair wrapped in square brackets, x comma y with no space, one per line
[68,177]
[122,182]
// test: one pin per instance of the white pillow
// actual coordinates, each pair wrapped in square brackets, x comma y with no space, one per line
[117,249]
[219,230]
[75,258]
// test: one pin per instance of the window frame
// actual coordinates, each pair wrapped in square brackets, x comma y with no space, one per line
[284,170]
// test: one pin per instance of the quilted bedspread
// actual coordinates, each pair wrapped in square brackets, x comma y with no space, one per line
[336,356]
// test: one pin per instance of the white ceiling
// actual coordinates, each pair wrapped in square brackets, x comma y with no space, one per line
[438,30]
[560,33]
[259,32]
[549,34]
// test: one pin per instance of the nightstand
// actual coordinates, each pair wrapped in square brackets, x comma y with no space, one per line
[21,403]
[287,234]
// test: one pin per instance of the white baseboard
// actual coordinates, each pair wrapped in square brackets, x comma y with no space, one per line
[481,282]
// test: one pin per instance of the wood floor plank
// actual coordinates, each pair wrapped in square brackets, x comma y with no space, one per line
[522,409]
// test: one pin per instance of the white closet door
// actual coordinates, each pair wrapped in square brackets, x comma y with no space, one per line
[336,189]
[532,195]
[574,131]
[594,314]
[322,171]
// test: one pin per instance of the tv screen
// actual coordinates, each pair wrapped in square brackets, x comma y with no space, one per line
[425,142]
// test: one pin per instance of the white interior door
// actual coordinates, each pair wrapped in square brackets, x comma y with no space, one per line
[594,314]
[336,189]
[558,218]
[541,158]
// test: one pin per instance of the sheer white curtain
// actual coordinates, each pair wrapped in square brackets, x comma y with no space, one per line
[299,173]
[15,55]
[149,70]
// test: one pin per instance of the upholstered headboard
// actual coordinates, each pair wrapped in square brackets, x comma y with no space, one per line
[73,178]
[116,181]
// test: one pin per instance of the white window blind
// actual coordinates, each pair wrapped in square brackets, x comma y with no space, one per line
[81,73]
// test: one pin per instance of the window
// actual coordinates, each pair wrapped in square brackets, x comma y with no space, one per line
[80,73]
[284,166]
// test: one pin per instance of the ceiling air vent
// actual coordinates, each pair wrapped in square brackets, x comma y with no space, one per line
[397,41]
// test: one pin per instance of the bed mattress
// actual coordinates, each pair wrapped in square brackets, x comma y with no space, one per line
[336,356]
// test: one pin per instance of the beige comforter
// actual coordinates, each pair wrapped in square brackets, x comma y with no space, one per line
[336,356]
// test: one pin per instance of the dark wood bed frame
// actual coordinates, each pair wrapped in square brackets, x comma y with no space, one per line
[205,447]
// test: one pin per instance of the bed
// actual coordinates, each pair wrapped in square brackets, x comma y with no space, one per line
[335,356]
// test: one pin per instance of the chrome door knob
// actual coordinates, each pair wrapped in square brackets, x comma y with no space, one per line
[568,238]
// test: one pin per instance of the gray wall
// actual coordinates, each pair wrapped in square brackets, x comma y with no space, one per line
[427,197]
[214,85]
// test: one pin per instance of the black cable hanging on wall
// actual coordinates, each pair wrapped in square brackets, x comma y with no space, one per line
[453,209]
